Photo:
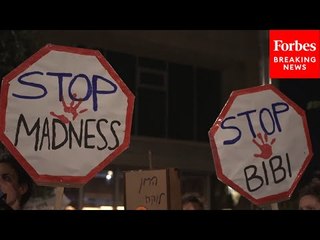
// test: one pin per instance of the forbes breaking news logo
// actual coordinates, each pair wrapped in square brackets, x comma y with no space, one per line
[294,54]
[294,62]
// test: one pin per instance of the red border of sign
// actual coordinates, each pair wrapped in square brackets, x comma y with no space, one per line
[63,180]
[272,198]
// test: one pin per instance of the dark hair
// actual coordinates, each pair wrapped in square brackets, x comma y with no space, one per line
[23,177]
[192,199]
[313,188]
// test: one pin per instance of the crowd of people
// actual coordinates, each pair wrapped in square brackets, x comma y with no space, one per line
[16,188]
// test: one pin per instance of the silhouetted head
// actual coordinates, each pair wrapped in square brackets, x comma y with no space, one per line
[309,196]
[192,202]
[15,183]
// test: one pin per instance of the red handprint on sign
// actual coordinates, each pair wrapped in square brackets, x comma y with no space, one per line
[265,147]
[69,109]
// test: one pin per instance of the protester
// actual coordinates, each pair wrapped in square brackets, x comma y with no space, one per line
[309,196]
[15,184]
[192,202]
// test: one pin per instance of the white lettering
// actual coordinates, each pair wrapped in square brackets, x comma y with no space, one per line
[294,46]
[294,59]
[292,67]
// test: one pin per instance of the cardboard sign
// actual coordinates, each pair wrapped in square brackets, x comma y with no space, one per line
[261,144]
[152,190]
[65,114]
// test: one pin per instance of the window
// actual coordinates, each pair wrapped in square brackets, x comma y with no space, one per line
[181,102]
[151,93]
[171,100]
[208,101]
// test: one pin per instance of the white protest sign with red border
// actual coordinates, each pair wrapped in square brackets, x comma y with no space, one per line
[261,144]
[65,114]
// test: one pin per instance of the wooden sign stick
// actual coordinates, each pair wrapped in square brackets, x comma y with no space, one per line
[150,159]
[59,195]
[274,206]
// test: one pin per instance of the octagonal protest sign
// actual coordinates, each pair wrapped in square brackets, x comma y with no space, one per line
[260,144]
[65,114]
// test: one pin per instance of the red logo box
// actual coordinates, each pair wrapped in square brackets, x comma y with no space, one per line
[294,53]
